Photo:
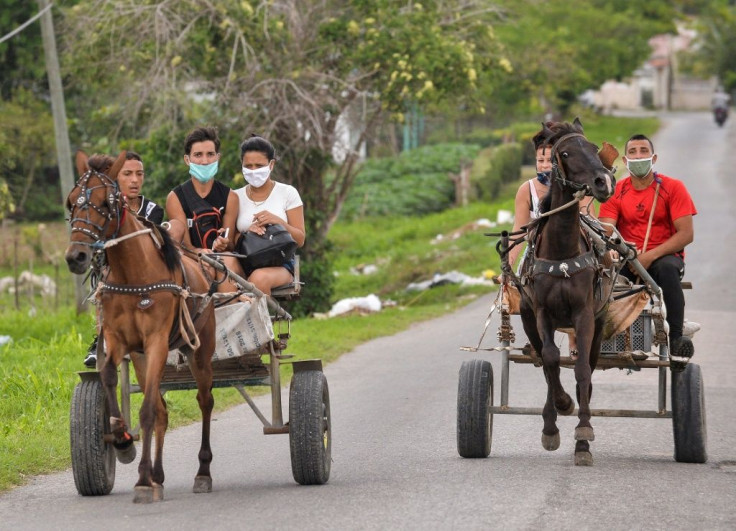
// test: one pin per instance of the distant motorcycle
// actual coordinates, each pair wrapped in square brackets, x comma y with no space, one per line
[720,114]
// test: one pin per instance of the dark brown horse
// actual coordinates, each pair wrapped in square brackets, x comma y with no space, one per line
[148,295]
[561,276]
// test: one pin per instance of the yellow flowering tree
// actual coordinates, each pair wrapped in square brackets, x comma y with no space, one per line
[303,73]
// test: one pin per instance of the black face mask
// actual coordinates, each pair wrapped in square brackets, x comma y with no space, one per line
[543,177]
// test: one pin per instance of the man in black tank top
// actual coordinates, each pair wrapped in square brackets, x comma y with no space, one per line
[202,211]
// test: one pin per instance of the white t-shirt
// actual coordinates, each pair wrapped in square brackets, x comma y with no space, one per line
[283,197]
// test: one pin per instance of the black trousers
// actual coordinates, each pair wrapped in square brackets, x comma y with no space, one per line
[667,273]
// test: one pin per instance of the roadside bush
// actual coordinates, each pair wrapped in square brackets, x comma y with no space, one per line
[505,168]
[416,182]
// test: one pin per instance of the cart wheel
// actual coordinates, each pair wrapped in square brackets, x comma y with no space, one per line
[310,428]
[474,418]
[688,415]
[93,460]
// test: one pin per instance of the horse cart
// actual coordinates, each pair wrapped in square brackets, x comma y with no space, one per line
[249,352]
[639,343]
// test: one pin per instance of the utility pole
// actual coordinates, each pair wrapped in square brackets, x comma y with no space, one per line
[63,149]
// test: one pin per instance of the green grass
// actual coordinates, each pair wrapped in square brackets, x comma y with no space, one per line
[38,369]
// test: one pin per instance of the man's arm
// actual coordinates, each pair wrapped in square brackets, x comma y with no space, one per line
[230,219]
[684,234]
[177,219]
[609,221]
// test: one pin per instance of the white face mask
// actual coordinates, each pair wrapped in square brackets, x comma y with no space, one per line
[639,167]
[256,178]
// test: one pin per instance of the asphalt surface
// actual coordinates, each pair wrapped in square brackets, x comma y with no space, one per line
[395,462]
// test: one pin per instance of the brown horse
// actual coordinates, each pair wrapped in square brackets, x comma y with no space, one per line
[560,280]
[148,296]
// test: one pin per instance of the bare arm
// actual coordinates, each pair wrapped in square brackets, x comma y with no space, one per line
[684,234]
[294,223]
[228,225]
[522,216]
[610,221]
[177,219]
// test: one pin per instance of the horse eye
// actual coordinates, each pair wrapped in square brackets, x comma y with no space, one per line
[565,154]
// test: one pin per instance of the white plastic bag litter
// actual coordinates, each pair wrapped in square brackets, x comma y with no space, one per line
[369,304]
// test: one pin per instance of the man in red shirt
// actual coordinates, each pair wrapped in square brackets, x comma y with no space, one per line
[655,212]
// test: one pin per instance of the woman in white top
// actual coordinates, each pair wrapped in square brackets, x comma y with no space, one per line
[530,194]
[263,201]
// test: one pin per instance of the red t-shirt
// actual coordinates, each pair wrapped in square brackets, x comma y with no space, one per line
[630,208]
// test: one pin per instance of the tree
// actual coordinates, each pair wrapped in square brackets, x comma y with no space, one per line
[716,53]
[27,141]
[559,48]
[19,54]
[292,70]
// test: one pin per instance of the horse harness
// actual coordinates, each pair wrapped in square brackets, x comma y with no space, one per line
[83,203]
[558,170]
[571,266]
[188,320]
[564,268]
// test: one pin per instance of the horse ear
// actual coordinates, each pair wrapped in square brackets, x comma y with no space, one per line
[608,155]
[578,125]
[546,131]
[81,159]
[117,165]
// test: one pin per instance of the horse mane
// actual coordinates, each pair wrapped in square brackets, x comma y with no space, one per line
[558,130]
[546,203]
[170,252]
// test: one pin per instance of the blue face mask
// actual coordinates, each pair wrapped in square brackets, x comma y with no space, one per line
[204,173]
[543,176]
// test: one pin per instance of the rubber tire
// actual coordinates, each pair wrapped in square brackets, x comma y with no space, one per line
[474,399]
[688,415]
[310,428]
[93,460]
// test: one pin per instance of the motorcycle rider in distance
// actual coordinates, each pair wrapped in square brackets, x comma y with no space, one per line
[719,104]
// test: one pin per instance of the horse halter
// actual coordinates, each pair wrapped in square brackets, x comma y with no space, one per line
[110,209]
[558,170]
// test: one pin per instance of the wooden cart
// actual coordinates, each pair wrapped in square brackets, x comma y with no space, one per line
[308,425]
[475,400]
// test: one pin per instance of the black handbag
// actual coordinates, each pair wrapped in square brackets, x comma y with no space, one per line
[272,249]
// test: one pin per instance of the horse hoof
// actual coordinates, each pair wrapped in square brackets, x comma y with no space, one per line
[143,494]
[584,433]
[202,484]
[158,492]
[126,455]
[551,442]
[583,459]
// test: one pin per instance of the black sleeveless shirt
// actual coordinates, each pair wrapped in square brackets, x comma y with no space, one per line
[217,198]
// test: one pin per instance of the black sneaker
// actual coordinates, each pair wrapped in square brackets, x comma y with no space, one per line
[91,359]
[683,347]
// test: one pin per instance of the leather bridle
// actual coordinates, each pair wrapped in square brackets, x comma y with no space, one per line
[111,209]
[558,170]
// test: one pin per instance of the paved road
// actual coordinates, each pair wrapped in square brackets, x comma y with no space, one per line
[393,399]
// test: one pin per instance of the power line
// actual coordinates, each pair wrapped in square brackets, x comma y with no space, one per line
[25,24]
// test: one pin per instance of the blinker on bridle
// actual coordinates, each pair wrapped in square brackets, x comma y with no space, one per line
[558,170]
[83,203]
